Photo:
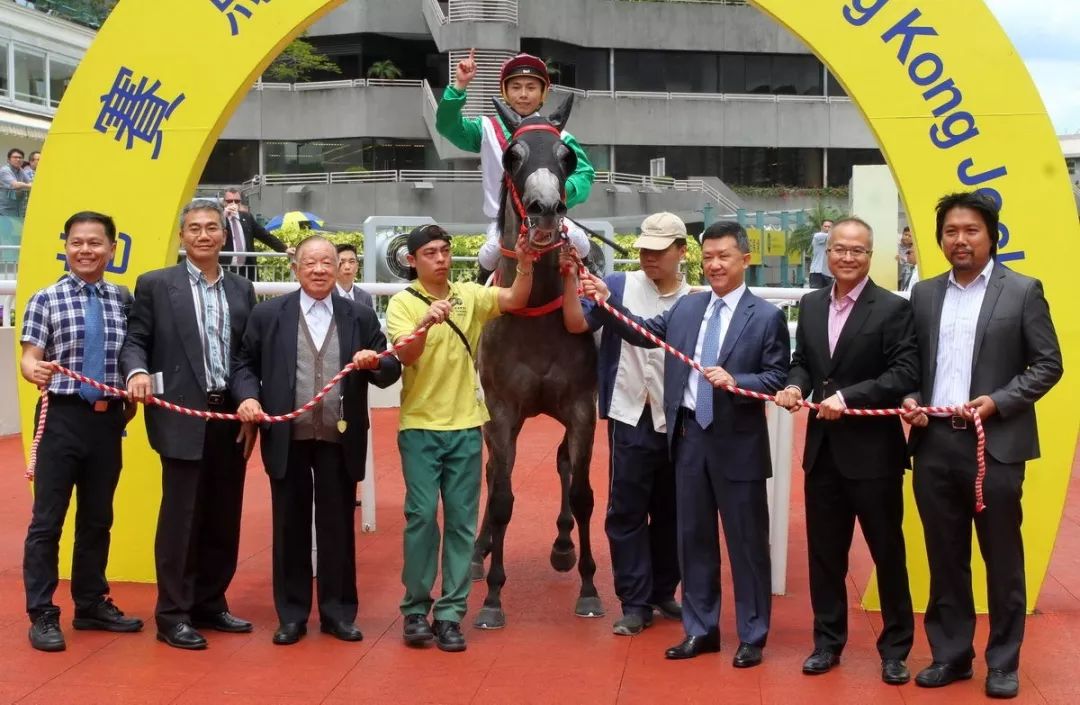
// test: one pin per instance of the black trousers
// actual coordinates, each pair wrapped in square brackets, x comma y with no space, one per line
[640,521]
[820,281]
[944,480]
[80,450]
[833,503]
[198,530]
[314,468]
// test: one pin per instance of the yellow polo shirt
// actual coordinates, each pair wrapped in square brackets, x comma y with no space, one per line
[439,390]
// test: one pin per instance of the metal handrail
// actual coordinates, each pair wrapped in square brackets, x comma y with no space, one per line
[445,175]
[483,11]
[351,177]
[436,9]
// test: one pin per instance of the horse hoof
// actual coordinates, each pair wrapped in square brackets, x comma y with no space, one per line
[589,607]
[563,561]
[490,618]
[476,571]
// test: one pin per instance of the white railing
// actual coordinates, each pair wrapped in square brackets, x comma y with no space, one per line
[345,83]
[483,11]
[435,9]
[486,84]
[363,177]
[718,97]
[444,176]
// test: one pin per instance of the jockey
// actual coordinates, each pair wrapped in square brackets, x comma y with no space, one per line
[524,82]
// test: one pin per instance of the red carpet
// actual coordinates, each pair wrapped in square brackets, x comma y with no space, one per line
[544,655]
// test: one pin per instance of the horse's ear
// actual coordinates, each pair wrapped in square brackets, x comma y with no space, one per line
[561,115]
[509,117]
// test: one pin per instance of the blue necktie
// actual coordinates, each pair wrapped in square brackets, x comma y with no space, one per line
[93,362]
[710,351]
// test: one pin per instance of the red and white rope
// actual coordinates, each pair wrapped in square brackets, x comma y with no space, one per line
[199,413]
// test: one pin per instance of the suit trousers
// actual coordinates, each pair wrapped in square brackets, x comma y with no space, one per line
[435,463]
[314,468]
[198,530]
[701,490]
[640,521]
[833,503]
[944,479]
[80,450]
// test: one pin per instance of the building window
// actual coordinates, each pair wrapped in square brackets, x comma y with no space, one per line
[842,162]
[61,70]
[353,154]
[736,166]
[713,72]
[5,87]
[231,162]
[31,85]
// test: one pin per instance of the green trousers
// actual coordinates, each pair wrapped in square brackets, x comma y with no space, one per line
[434,463]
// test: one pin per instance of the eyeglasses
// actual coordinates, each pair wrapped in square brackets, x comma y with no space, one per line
[842,252]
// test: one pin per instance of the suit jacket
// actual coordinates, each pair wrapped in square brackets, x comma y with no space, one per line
[361,296]
[163,336]
[756,351]
[1016,359]
[875,363]
[252,232]
[265,369]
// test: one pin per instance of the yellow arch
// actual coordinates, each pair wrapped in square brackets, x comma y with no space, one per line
[879,50]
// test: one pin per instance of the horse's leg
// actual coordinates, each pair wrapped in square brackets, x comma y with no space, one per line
[563,556]
[580,442]
[482,546]
[501,432]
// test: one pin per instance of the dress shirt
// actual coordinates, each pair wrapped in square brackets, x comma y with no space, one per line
[212,317]
[54,321]
[956,338]
[347,293]
[731,300]
[839,310]
[318,314]
[639,377]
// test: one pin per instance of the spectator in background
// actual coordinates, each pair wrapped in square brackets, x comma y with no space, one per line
[348,265]
[30,170]
[13,186]
[905,259]
[820,276]
[241,232]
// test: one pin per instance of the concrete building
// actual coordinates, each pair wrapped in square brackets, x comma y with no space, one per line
[716,90]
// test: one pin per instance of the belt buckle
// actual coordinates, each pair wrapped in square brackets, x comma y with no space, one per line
[959,423]
[215,398]
[101,406]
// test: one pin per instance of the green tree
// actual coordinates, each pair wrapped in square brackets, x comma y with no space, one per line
[298,62]
[91,13]
[386,69]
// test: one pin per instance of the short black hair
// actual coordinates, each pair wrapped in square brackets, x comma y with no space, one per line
[346,247]
[92,217]
[972,200]
[33,154]
[15,150]
[727,228]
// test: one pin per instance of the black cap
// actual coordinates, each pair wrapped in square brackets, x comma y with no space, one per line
[423,235]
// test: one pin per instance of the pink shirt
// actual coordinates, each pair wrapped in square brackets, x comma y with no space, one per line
[840,310]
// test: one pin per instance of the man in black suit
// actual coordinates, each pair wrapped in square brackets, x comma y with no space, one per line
[241,232]
[855,346]
[987,345]
[293,345]
[719,441]
[348,266]
[186,323]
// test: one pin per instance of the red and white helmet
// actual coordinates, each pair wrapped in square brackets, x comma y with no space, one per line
[524,65]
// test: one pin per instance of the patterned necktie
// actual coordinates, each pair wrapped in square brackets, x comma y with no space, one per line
[710,351]
[93,362]
[237,237]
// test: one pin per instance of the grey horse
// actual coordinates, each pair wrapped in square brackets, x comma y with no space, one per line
[530,364]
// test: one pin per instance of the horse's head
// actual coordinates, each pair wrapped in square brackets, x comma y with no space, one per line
[537,163]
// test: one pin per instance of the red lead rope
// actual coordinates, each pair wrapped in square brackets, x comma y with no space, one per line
[215,415]
[980,435]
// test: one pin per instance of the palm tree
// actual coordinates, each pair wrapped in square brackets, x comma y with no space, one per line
[385,69]
[799,240]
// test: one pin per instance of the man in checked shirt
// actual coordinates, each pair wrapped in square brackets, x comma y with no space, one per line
[80,323]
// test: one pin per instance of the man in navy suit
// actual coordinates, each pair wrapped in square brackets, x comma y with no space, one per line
[719,441]
[348,266]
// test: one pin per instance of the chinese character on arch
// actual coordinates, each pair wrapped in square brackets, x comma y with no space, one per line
[135,110]
[232,8]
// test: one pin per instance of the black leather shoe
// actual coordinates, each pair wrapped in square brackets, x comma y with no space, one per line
[182,636]
[693,646]
[417,630]
[1002,684]
[346,631]
[668,609]
[894,671]
[820,661]
[938,674]
[45,634]
[747,656]
[223,622]
[105,616]
[448,636]
[289,633]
